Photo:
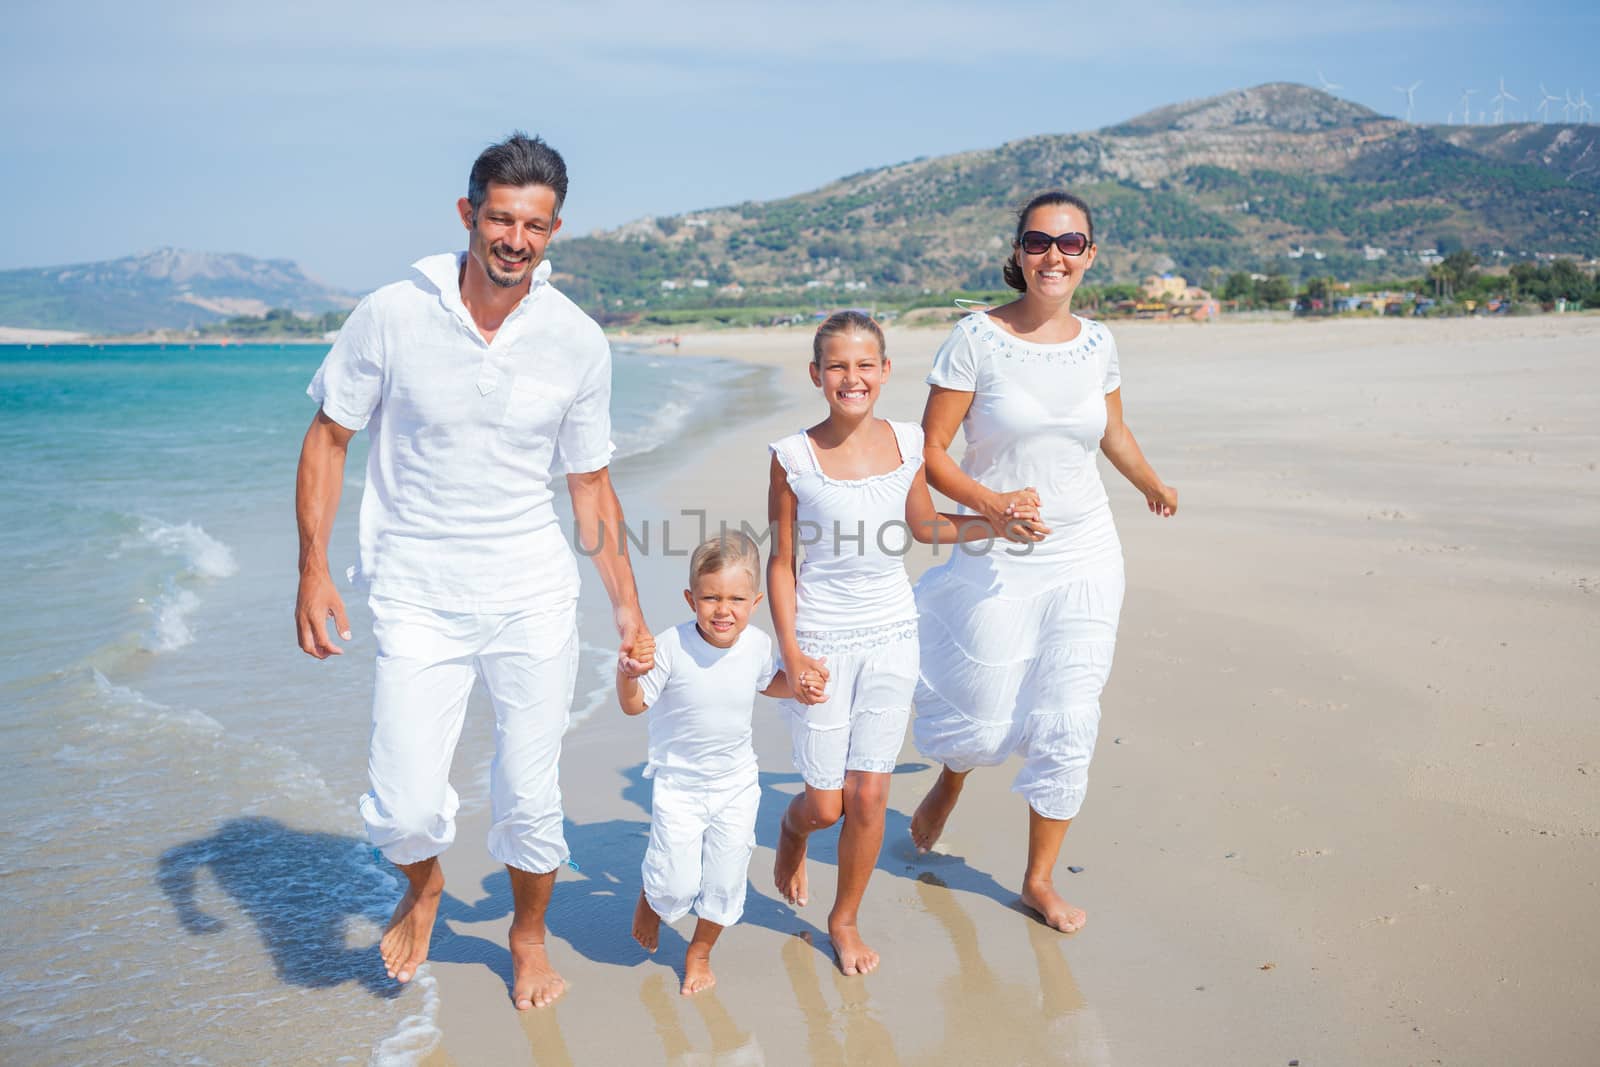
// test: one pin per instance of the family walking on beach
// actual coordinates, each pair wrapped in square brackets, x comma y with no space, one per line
[478,381]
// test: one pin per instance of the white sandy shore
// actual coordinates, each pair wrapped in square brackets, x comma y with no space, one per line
[19,335]
[1346,803]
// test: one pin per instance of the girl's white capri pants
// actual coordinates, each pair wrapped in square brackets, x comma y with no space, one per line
[428,661]
[702,835]
[872,674]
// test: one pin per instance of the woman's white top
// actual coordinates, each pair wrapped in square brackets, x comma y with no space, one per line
[701,700]
[854,536]
[1038,413]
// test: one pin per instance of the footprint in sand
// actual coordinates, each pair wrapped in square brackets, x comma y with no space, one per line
[1313,852]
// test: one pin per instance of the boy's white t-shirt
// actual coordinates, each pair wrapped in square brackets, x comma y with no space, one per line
[702,699]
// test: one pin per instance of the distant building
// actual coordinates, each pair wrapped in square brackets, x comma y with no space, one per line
[669,285]
[701,283]
[1372,253]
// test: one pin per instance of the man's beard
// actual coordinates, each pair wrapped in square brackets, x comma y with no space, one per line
[505,281]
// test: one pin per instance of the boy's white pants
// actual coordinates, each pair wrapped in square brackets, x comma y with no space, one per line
[428,662]
[702,834]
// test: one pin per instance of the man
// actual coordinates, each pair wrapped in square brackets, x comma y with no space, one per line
[476,379]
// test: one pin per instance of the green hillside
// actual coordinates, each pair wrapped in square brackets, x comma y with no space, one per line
[1280,178]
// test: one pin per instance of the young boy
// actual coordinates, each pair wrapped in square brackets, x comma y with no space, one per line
[701,690]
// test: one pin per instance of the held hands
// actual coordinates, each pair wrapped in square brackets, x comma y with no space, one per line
[1016,515]
[1163,501]
[315,603]
[637,654]
[810,679]
[638,660]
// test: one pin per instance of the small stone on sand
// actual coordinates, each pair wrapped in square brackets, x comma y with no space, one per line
[1075,870]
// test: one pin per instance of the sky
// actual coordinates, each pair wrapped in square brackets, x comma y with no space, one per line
[339,135]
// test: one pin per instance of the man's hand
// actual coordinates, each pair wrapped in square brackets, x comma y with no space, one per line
[631,630]
[639,660]
[316,602]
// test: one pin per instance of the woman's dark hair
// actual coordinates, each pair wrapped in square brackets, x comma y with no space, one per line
[1054,198]
[846,322]
[518,160]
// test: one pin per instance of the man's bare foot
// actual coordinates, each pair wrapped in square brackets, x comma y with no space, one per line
[534,983]
[927,823]
[789,872]
[852,953]
[697,974]
[404,946]
[646,924]
[1057,913]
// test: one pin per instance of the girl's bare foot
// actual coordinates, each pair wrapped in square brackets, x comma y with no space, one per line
[852,953]
[697,974]
[534,983]
[927,823]
[1057,913]
[404,946]
[646,924]
[789,872]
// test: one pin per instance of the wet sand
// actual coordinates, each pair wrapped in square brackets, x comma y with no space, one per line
[1346,801]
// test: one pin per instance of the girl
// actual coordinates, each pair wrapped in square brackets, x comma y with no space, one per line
[847,489]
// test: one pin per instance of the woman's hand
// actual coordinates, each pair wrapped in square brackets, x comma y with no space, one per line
[1015,515]
[810,679]
[1162,500]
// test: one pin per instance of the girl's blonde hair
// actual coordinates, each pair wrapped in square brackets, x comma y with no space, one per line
[842,322]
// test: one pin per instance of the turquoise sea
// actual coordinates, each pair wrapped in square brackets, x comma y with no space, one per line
[187,879]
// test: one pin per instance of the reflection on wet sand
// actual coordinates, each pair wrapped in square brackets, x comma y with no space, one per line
[730,1046]
[865,1039]
[543,1028]
[982,1013]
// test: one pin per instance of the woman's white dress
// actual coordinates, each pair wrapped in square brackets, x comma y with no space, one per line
[1017,640]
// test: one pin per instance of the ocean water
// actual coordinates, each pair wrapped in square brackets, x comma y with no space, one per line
[187,879]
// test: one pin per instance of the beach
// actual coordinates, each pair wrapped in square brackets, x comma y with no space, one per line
[1345,806]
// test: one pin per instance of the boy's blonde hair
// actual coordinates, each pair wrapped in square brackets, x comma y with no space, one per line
[731,548]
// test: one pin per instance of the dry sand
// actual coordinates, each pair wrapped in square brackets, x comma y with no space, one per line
[1346,802]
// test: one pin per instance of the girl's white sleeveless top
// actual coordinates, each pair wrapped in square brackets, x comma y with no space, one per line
[854,537]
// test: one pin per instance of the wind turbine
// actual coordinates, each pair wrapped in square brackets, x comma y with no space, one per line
[1544,105]
[1499,101]
[1466,106]
[1327,86]
[1566,108]
[1585,112]
[1411,95]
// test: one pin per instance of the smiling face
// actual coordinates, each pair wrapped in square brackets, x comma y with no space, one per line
[1052,274]
[510,230]
[722,601]
[850,373]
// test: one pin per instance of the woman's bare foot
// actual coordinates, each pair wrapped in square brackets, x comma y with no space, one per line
[789,872]
[646,924]
[852,953]
[404,946]
[1057,913]
[697,974]
[534,983]
[927,823]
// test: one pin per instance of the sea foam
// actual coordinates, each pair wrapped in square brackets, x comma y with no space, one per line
[203,555]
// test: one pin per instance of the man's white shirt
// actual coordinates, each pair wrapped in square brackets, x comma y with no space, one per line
[466,437]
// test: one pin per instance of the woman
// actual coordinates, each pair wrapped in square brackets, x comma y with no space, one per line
[1017,642]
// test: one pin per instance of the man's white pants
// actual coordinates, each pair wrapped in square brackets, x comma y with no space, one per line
[702,834]
[428,662]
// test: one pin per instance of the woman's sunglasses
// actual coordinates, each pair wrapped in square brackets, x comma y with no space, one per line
[1037,243]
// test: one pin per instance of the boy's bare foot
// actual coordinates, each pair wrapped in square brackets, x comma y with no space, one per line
[697,974]
[404,946]
[1057,913]
[789,872]
[646,924]
[927,823]
[534,983]
[852,953]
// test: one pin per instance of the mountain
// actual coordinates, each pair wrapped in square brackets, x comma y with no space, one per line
[166,289]
[1276,178]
